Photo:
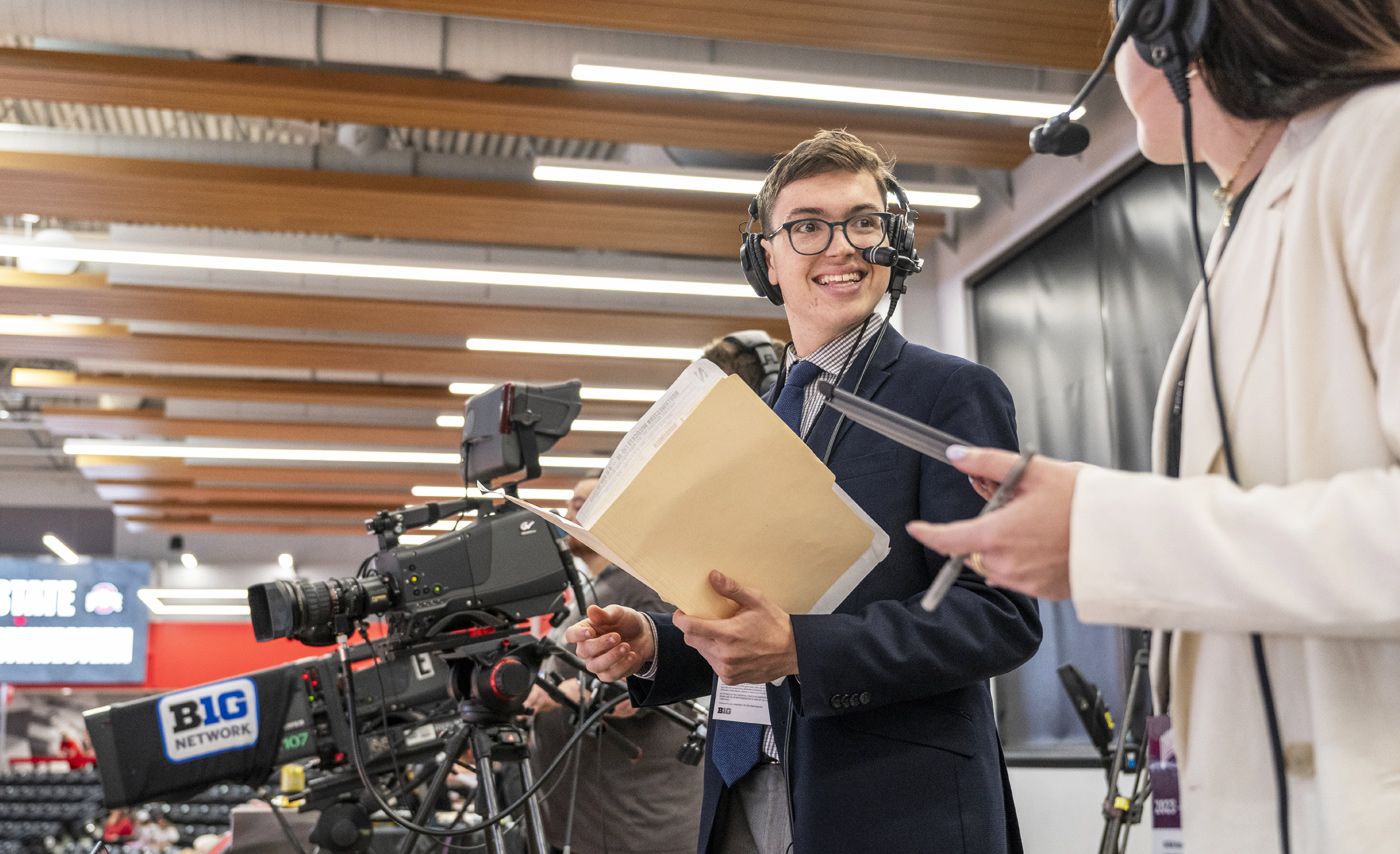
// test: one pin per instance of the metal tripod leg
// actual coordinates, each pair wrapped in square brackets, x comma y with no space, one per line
[532,808]
[486,787]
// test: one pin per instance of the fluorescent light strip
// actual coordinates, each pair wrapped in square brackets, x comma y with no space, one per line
[60,548]
[115,448]
[599,425]
[627,395]
[650,180]
[717,183]
[154,257]
[570,348]
[581,425]
[104,447]
[445,525]
[942,199]
[530,494]
[155,597]
[865,96]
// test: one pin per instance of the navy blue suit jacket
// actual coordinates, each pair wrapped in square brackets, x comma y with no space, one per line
[893,745]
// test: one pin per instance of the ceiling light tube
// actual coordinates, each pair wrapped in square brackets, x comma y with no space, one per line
[119,448]
[528,493]
[571,348]
[708,78]
[60,548]
[624,395]
[615,177]
[580,425]
[308,265]
[710,181]
[155,600]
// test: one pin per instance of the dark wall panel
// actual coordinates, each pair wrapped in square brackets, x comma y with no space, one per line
[1079,325]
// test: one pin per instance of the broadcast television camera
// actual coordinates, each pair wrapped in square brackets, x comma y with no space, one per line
[463,594]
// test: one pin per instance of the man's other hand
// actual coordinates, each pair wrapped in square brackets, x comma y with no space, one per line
[614,642]
[755,645]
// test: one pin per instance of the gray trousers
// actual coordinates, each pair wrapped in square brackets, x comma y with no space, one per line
[754,817]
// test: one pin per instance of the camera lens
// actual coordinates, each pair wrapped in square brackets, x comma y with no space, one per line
[307,610]
[273,607]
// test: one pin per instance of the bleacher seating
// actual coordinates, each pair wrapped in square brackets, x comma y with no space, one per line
[44,811]
[58,813]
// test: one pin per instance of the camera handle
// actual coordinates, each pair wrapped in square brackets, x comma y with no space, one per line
[388,525]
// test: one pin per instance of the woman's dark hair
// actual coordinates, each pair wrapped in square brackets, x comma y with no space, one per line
[1277,58]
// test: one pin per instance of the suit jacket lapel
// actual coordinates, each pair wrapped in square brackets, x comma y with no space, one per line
[879,372]
[1241,304]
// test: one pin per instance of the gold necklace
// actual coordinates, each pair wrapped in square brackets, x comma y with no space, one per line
[1225,193]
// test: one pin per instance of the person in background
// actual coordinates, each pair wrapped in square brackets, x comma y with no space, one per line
[1271,570]
[118,827]
[606,800]
[750,353]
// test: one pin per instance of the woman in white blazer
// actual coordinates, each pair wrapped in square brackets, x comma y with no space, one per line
[1305,549]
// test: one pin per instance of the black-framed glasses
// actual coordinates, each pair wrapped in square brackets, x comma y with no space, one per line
[812,236]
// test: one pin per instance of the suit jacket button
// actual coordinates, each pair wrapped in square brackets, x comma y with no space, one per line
[864,697]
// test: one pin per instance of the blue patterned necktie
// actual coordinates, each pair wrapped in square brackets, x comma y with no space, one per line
[737,747]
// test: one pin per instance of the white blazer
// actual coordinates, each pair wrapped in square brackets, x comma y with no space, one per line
[1307,327]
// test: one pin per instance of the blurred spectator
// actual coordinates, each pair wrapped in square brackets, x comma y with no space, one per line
[118,827]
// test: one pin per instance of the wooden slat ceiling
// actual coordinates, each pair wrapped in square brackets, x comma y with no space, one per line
[114,343]
[176,496]
[352,96]
[121,189]
[22,293]
[1063,34]
[76,421]
[68,384]
[169,472]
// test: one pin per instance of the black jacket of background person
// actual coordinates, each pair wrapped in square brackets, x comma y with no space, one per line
[623,805]
[894,745]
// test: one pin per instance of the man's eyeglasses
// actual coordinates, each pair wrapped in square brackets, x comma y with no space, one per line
[813,236]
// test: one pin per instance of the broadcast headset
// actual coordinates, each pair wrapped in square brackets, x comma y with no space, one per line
[900,255]
[1168,35]
[757,343]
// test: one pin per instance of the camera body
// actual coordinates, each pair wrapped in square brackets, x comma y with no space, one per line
[505,566]
[501,569]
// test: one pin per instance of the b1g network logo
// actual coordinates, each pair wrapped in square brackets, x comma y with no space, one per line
[209,719]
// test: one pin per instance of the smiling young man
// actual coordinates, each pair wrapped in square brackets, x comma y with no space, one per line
[879,715]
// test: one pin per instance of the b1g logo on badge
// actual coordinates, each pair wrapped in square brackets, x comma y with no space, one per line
[209,719]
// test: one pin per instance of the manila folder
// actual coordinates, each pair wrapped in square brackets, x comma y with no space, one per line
[734,489]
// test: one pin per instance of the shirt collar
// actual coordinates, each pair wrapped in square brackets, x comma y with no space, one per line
[832,355]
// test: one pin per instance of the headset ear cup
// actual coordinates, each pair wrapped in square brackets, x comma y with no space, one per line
[1170,31]
[755,266]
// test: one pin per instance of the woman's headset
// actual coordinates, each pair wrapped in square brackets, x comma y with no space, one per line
[1166,32]
[900,256]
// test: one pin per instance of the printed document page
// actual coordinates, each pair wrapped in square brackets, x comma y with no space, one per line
[648,434]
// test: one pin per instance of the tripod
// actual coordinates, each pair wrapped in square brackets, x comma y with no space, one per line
[1121,811]
[494,739]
